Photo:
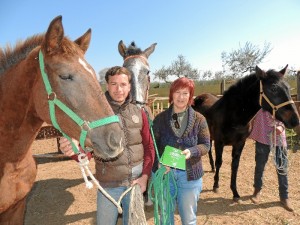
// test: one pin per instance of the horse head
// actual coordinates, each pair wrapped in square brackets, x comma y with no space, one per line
[136,61]
[275,96]
[75,100]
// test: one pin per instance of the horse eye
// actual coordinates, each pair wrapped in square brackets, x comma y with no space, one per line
[274,89]
[148,72]
[66,77]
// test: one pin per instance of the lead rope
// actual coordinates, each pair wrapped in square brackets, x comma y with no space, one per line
[280,155]
[159,190]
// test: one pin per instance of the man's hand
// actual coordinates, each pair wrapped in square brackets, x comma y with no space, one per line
[142,181]
[66,147]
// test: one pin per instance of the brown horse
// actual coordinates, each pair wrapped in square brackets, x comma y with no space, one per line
[48,72]
[136,61]
[229,117]
[201,104]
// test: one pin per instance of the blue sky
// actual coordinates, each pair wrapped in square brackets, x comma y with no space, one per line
[197,29]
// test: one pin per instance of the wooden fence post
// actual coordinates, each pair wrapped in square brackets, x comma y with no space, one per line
[298,85]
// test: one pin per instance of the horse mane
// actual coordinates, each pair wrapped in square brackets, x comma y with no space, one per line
[241,85]
[133,50]
[10,56]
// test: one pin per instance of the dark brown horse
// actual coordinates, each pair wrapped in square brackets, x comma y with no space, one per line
[229,117]
[48,72]
[136,61]
[201,104]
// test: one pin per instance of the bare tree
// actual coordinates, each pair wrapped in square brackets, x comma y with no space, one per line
[243,60]
[102,75]
[162,74]
[179,68]
[182,68]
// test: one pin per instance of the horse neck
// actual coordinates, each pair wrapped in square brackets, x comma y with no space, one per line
[19,124]
[246,98]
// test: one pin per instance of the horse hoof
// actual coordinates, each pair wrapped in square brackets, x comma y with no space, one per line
[216,190]
[237,200]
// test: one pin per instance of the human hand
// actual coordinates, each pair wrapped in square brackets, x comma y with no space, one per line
[142,181]
[279,129]
[66,147]
[187,153]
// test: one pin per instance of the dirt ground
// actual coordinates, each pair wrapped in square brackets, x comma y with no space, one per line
[59,196]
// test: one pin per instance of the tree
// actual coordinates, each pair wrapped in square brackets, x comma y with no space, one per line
[102,75]
[179,68]
[182,68]
[244,59]
[162,74]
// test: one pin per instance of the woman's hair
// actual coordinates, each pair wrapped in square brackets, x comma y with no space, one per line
[180,83]
[117,70]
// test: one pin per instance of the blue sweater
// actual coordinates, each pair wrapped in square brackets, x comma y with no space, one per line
[195,137]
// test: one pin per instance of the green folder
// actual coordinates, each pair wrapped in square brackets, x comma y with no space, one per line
[172,157]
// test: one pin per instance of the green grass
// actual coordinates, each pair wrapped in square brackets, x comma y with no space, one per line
[207,86]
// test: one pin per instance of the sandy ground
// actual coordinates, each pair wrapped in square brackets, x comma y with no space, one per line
[59,196]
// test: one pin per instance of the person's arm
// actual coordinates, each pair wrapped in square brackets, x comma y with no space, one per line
[203,145]
[149,154]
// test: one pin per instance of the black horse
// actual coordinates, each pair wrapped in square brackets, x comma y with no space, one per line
[201,104]
[229,118]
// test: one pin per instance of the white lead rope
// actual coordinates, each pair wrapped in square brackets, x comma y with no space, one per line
[83,164]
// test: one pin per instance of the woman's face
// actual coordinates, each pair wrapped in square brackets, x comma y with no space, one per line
[181,98]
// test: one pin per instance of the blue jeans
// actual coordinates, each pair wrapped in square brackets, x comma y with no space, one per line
[107,212]
[188,193]
[262,152]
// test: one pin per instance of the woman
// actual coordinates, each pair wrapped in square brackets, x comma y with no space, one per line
[183,128]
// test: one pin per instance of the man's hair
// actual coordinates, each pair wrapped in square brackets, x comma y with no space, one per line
[117,70]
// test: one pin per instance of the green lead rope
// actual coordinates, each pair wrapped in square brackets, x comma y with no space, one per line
[159,190]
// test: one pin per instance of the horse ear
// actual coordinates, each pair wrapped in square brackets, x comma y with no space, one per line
[260,73]
[149,50]
[54,34]
[284,70]
[122,49]
[84,40]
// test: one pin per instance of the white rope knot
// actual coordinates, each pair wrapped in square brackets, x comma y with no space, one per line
[83,164]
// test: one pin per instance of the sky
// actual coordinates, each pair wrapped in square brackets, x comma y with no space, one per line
[200,30]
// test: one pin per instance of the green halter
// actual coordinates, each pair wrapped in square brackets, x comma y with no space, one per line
[84,125]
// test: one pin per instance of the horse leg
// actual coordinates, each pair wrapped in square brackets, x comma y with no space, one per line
[211,159]
[219,152]
[15,214]
[236,155]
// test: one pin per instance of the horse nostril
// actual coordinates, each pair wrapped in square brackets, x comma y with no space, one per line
[114,140]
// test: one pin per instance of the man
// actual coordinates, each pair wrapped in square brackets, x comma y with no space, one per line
[134,164]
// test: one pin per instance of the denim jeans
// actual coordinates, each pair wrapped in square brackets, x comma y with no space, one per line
[107,212]
[188,193]
[262,152]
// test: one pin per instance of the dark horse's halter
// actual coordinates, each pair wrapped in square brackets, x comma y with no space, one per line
[274,107]
[84,125]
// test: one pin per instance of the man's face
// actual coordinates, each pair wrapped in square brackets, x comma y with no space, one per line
[118,87]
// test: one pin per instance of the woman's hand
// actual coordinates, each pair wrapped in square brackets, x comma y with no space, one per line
[187,153]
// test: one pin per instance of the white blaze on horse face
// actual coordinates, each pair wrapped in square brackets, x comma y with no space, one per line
[140,89]
[83,63]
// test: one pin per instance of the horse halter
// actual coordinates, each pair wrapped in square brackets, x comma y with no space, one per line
[84,125]
[274,107]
